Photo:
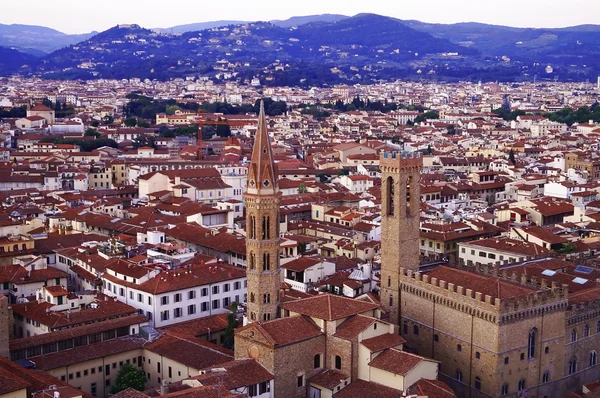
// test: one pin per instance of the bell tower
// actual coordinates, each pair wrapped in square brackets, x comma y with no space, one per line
[400,199]
[262,199]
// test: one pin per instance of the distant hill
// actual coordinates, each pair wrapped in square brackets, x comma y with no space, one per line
[37,40]
[285,23]
[326,49]
[12,60]
[130,49]
[548,44]
[198,26]
[297,21]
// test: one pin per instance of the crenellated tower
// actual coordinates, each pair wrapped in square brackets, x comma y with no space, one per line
[400,199]
[262,199]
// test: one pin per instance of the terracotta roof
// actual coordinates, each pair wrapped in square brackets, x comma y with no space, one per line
[109,324]
[396,361]
[352,326]
[291,329]
[301,263]
[329,307]
[193,273]
[88,352]
[239,373]
[382,342]
[328,378]
[107,308]
[362,389]
[431,389]
[199,326]
[189,351]
[487,285]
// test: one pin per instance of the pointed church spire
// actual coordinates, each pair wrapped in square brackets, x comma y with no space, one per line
[262,173]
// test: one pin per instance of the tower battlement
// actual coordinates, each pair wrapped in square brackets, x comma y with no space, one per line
[548,298]
[401,160]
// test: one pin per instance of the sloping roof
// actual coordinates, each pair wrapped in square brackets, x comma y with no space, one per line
[190,351]
[291,329]
[329,307]
[396,361]
[362,389]
[382,342]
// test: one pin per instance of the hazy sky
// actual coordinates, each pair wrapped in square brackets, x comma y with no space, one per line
[80,16]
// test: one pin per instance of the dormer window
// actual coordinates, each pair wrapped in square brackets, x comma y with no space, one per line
[252,183]
[264,149]
[266,183]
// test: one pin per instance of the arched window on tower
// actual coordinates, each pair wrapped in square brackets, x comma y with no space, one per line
[389,281]
[251,297]
[531,343]
[266,228]
[252,261]
[478,383]
[409,186]
[390,196]
[252,228]
[593,358]
[266,262]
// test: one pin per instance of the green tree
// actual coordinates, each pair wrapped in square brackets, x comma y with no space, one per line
[129,377]
[302,188]
[232,323]
[429,151]
[143,123]
[426,115]
[130,122]
[92,133]
[47,102]
[223,130]
[171,109]
[108,119]
[344,172]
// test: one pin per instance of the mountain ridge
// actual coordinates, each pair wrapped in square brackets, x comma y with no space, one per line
[359,49]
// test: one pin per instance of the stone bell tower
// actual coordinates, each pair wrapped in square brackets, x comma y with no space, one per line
[262,199]
[400,198]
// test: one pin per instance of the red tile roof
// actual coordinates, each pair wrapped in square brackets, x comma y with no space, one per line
[239,373]
[289,330]
[431,389]
[362,389]
[351,327]
[190,351]
[329,307]
[329,378]
[396,361]
[382,342]
[487,285]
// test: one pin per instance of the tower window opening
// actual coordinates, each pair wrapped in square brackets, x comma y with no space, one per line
[409,187]
[390,195]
